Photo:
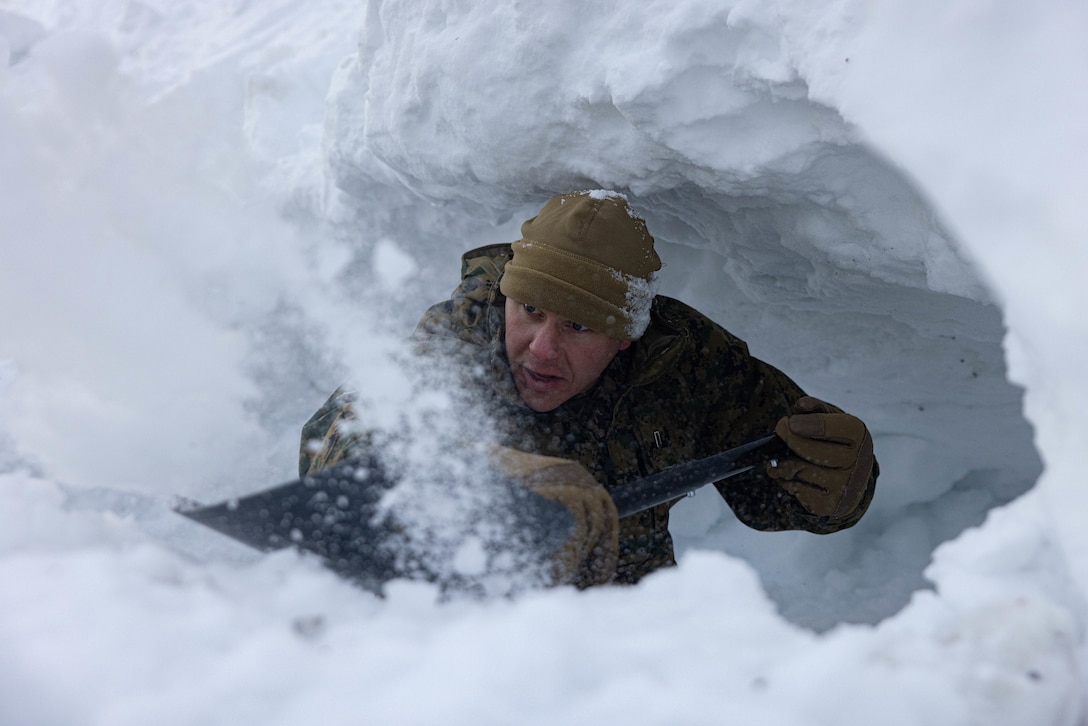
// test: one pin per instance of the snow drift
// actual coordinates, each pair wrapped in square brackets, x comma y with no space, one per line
[213,214]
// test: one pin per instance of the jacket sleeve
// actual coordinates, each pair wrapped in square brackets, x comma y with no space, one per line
[330,435]
[750,397]
[459,327]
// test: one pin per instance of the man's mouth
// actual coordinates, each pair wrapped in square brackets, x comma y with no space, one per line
[540,380]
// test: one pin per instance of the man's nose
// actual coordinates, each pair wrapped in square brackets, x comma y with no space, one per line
[545,344]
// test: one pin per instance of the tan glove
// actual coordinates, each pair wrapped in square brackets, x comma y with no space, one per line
[830,461]
[590,554]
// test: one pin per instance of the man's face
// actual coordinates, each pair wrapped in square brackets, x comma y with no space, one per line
[554,359]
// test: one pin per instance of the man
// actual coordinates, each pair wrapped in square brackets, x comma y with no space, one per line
[577,360]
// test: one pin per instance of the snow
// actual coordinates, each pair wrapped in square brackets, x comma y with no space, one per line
[215,213]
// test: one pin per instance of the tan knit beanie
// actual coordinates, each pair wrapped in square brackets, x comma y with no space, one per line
[588,258]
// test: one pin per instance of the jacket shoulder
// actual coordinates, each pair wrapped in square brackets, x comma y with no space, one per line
[678,318]
[487,261]
[682,339]
[474,309]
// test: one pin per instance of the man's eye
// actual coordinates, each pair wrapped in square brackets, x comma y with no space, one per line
[529,309]
[579,328]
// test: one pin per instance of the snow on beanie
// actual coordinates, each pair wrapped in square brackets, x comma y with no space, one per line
[588,258]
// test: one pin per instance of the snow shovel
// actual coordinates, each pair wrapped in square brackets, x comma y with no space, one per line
[337,514]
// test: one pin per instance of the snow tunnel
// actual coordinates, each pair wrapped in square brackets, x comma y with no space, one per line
[772,215]
[809,171]
[841,274]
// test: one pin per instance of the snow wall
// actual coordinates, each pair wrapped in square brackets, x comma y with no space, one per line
[777,214]
[225,211]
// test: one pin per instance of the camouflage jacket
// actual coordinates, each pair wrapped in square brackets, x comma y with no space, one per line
[685,390]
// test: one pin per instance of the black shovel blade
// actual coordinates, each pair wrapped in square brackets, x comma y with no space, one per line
[337,514]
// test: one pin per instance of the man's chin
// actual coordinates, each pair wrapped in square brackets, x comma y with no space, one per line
[540,401]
